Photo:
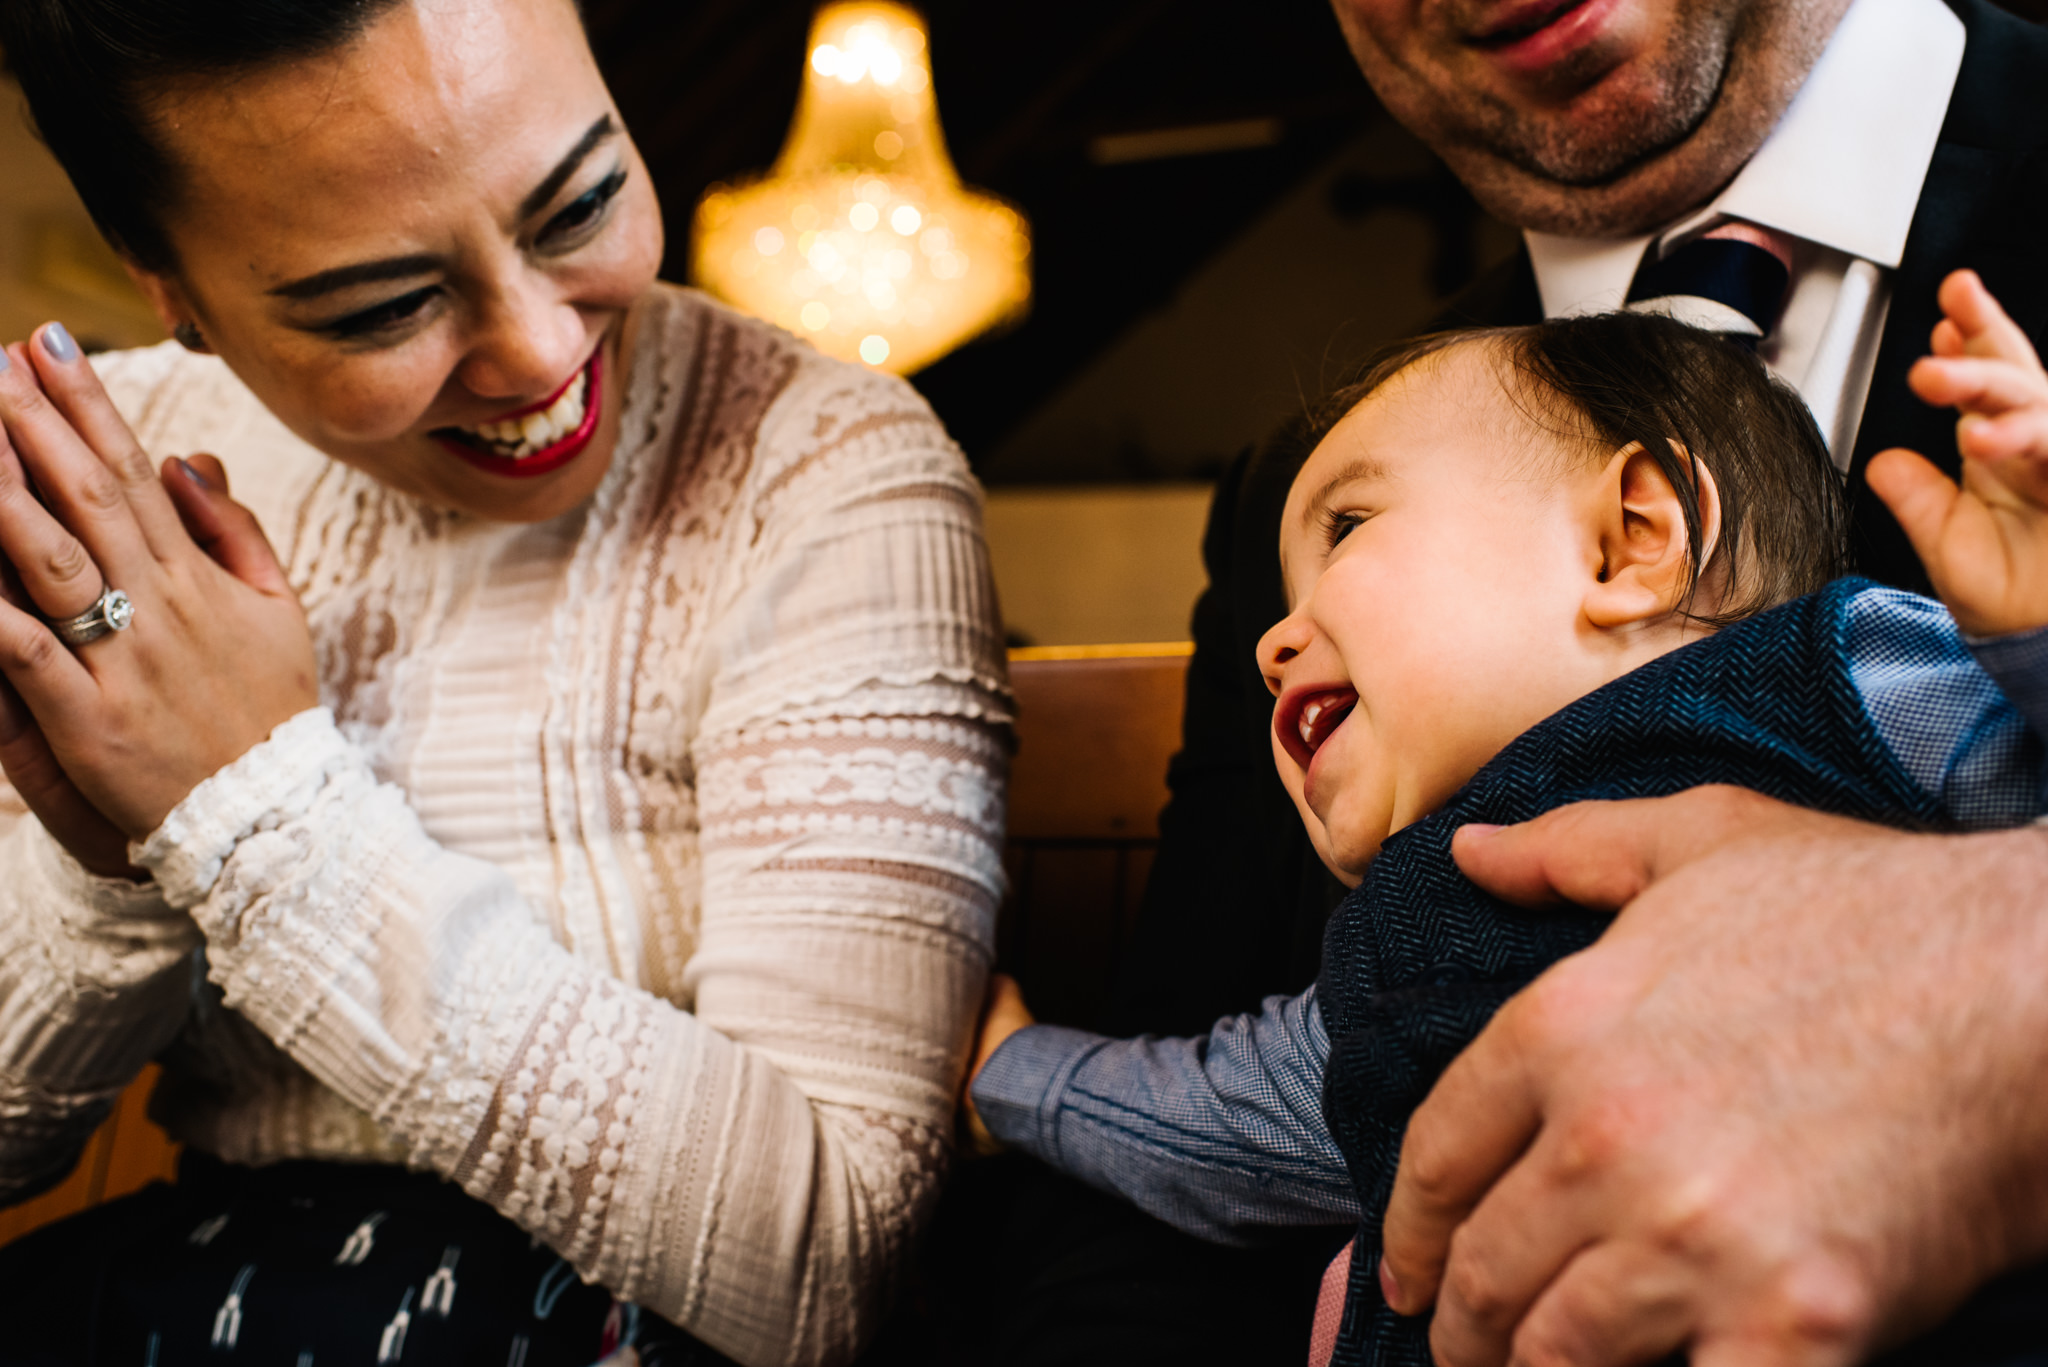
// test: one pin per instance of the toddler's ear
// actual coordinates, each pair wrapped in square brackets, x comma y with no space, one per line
[1644,555]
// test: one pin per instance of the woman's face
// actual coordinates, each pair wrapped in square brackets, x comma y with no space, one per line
[422,250]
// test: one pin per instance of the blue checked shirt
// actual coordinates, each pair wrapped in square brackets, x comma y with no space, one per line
[1223,1136]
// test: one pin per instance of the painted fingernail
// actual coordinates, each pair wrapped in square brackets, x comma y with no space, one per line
[1390,1290]
[58,344]
[192,473]
[6,361]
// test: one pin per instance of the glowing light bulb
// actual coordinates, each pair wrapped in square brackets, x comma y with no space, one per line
[864,152]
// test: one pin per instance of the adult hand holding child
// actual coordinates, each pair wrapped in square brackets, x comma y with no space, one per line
[1597,1180]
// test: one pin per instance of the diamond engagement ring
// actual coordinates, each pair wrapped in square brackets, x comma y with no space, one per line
[110,612]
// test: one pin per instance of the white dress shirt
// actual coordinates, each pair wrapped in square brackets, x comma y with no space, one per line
[1841,175]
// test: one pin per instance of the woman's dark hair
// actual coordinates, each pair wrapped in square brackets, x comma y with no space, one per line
[1605,380]
[91,68]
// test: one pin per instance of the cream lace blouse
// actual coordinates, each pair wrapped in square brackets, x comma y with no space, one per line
[638,875]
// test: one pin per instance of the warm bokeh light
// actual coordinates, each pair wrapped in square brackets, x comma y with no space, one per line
[862,237]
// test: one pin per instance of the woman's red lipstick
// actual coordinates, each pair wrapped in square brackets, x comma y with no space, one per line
[548,458]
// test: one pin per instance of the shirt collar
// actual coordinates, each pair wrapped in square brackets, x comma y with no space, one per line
[1843,168]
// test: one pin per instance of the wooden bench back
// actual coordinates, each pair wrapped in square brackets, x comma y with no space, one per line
[1095,729]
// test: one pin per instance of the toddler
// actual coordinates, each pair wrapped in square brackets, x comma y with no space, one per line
[1526,567]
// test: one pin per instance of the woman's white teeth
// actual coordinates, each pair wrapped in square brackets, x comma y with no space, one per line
[518,438]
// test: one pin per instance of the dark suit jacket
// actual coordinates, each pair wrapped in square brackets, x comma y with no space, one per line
[1237,900]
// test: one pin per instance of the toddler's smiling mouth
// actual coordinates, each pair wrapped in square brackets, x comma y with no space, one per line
[1307,717]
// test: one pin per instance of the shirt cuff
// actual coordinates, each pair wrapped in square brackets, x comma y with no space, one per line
[1019,1089]
[277,781]
[110,931]
[2018,664]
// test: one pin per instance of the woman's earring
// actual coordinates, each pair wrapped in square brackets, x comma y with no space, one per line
[189,338]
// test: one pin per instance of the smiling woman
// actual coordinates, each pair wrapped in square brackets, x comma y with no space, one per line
[584,823]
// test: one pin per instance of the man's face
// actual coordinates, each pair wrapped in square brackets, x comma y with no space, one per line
[1589,117]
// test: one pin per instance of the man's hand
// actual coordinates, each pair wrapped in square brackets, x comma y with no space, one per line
[1985,543]
[1002,1015]
[1792,1107]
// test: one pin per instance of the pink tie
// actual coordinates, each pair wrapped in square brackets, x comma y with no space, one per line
[1322,1339]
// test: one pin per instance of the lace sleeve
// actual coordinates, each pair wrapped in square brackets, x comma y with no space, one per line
[752,1170]
[95,979]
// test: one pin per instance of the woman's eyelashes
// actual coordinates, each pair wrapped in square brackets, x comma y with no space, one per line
[392,315]
[583,216]
[575,225]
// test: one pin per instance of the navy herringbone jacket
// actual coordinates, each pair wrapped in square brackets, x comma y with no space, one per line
[1417,958]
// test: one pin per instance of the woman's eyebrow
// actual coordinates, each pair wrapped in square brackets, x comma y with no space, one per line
[362,273]
[405,267]
[552,183]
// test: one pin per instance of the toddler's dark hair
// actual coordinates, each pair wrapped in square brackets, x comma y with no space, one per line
[90,69]
[1605,380]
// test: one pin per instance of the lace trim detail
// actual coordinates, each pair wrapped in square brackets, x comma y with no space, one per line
[275,782]
[556,1133]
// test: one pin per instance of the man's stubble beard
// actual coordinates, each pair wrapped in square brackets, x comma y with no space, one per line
[1611,134]
[1629,160]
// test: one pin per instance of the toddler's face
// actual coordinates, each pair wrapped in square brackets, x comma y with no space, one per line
[1440,553]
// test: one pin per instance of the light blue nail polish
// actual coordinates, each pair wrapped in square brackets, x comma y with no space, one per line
[57,342]
[6,361]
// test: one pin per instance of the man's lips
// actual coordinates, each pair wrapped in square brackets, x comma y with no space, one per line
[1530,36]
[1307,716]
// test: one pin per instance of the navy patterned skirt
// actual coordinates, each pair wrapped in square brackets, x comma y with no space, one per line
[309,1264]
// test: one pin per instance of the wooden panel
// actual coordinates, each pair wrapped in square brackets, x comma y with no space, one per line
[142,1153]
[1095,729]
[125,1154]
[1093,738]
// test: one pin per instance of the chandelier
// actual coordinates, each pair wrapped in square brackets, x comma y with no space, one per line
[862,238]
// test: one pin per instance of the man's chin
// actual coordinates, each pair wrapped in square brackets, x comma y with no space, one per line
[1638,196]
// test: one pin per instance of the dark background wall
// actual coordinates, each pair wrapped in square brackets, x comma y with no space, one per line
[1182,302]
[1028,96]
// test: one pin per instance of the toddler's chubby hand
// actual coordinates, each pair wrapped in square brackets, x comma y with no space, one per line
[1002,1016]
[1985,543]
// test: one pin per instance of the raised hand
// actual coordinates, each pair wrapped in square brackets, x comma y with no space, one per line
[218,653]
[1985,542]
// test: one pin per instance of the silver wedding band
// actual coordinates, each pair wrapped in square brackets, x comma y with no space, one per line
[109,613]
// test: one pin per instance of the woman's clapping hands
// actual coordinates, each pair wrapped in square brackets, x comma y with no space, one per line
[104,739]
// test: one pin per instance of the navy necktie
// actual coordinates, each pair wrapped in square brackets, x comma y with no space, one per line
[1731,280]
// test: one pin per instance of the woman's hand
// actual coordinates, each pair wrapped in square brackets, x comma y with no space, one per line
[219,653]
